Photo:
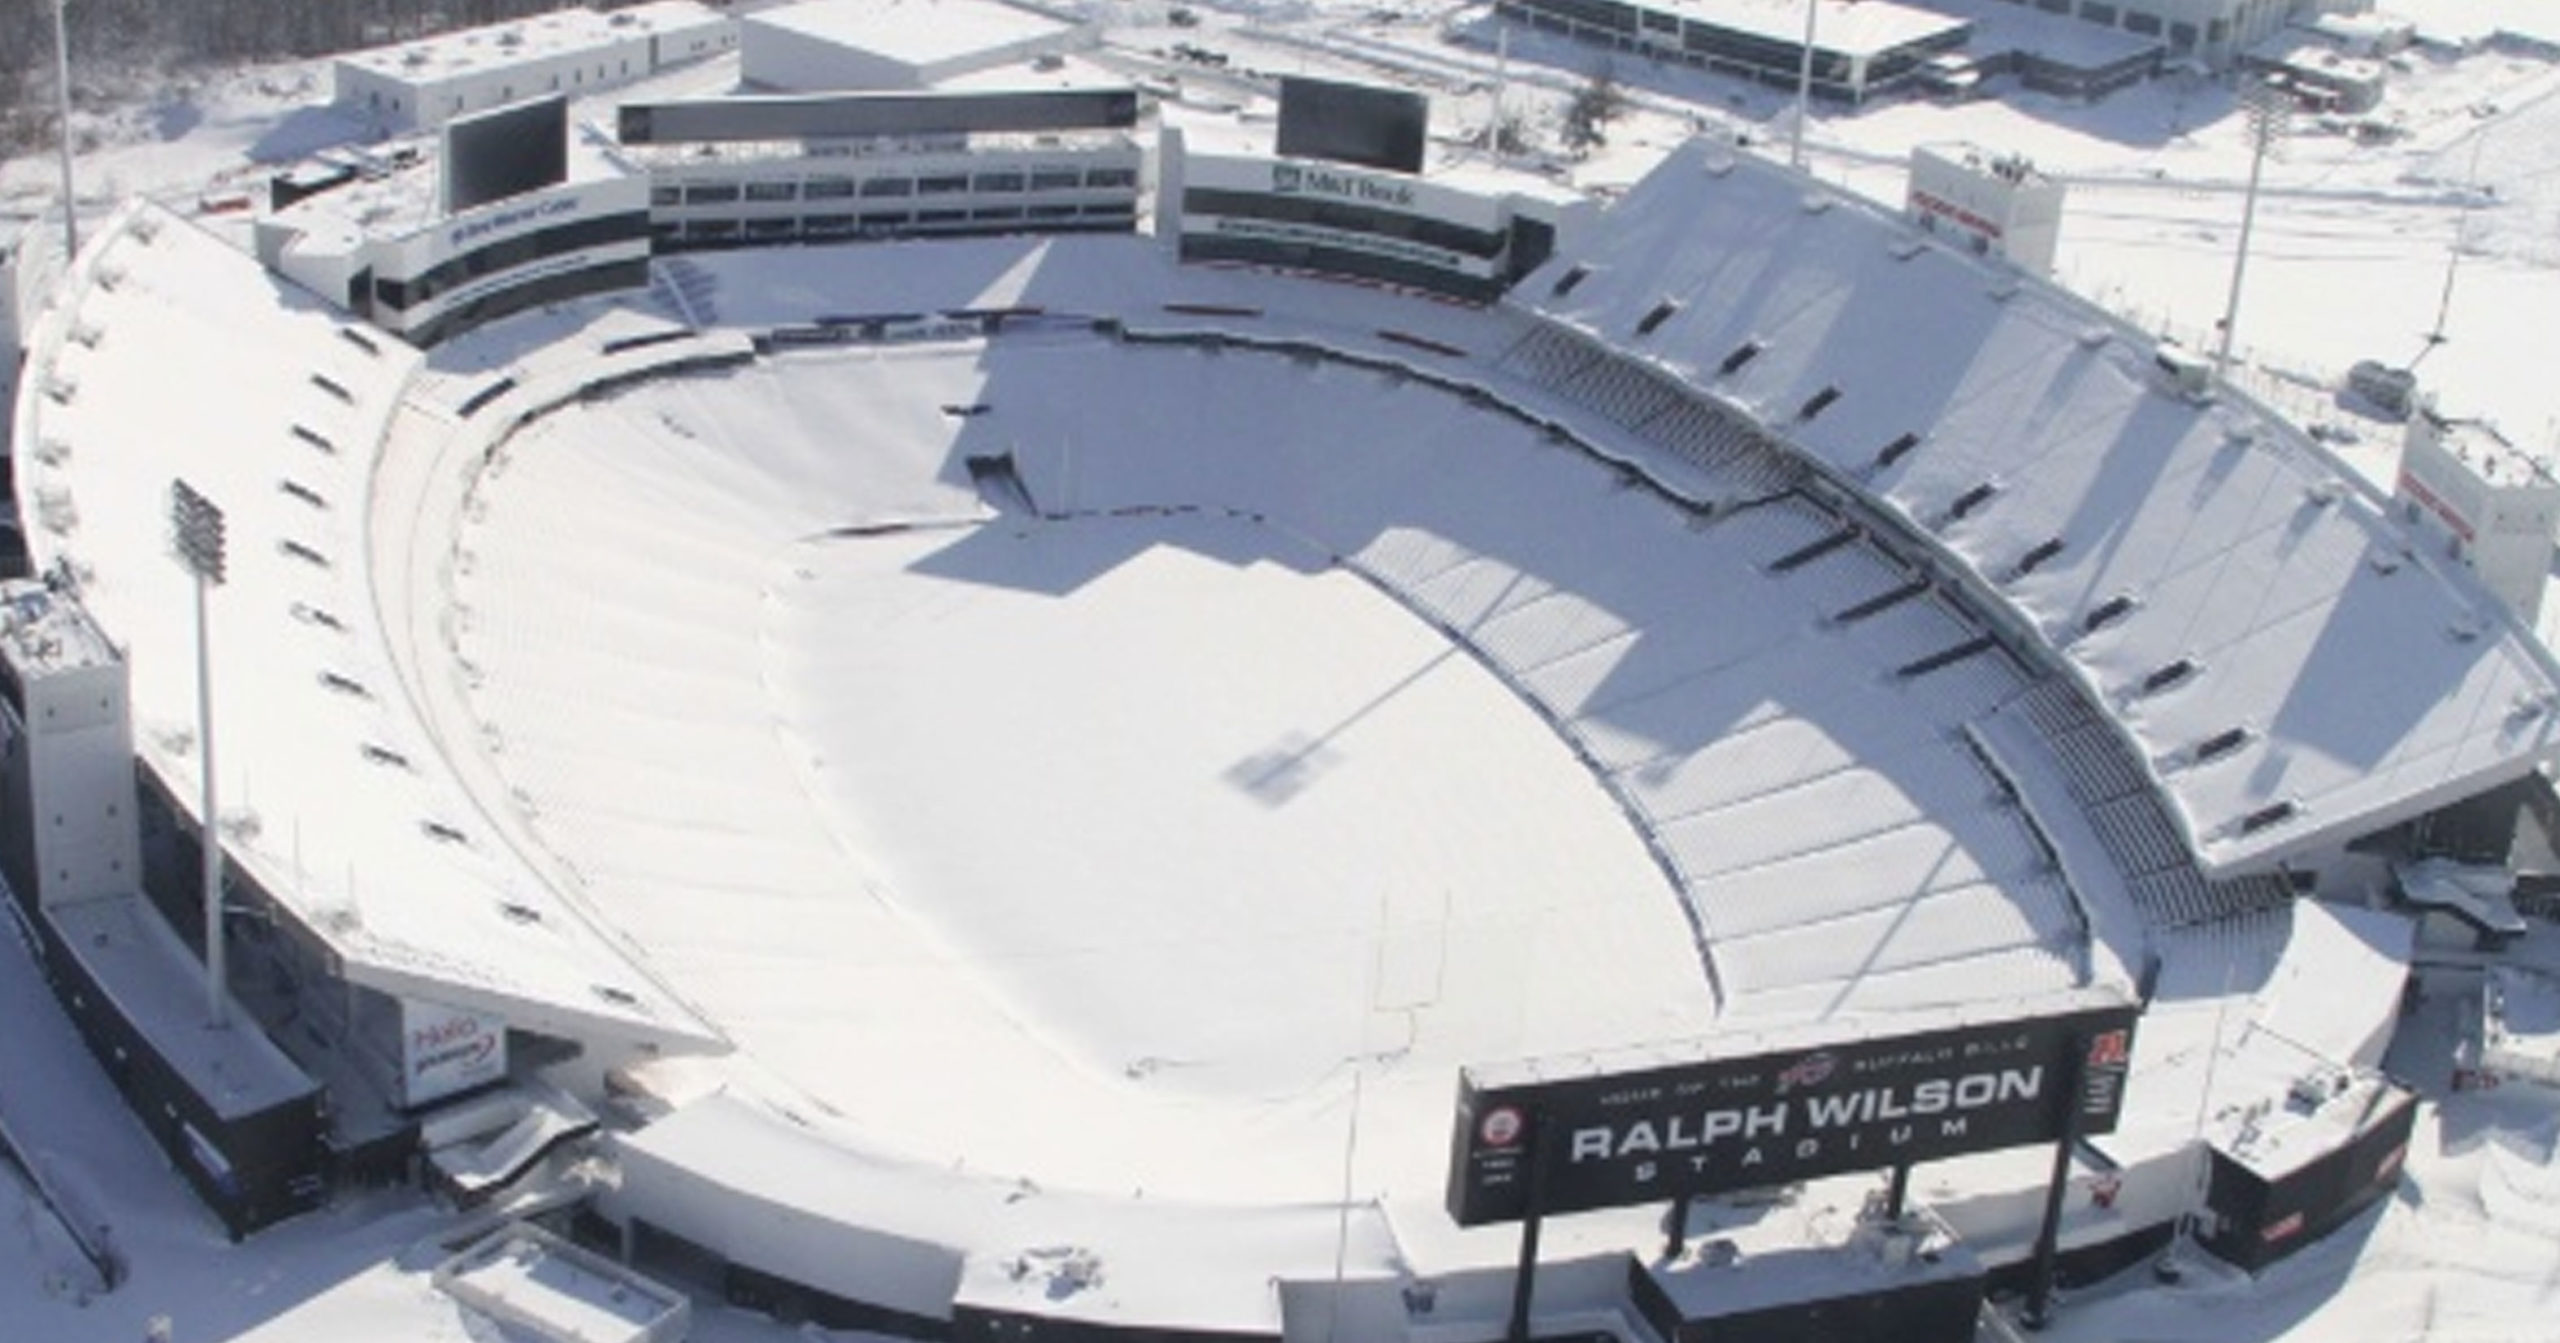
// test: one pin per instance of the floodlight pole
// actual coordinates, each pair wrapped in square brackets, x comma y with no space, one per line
[197,530]
[1804,89]
[62,87]
[2266,121]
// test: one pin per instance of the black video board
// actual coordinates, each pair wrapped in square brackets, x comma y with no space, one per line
[1712,1127]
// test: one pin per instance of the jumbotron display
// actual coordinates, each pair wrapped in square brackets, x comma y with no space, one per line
[1352,123]
[507,152]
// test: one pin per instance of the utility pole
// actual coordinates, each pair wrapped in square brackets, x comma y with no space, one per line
[196,530]
[62,87]
[1804,89]
[2453,252]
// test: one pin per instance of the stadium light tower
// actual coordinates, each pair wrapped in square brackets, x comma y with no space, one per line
[1804,89]
[2266,107]
[195,527]
[62,88]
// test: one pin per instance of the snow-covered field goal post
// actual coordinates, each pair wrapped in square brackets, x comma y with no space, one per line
[1615,1139]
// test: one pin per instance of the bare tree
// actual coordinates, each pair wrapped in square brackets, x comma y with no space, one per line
[1597,103]
[177,34]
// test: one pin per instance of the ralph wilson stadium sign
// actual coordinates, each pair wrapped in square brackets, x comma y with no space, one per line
[1650,1135]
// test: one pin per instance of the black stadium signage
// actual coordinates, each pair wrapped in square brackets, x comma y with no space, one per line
[1646,1136]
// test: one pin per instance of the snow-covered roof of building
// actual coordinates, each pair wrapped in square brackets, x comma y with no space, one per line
[158,984]
[2490,456]
[529,41]
[915,32]
[44,633]
[2287,665]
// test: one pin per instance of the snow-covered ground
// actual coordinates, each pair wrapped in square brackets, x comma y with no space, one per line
[2362,250]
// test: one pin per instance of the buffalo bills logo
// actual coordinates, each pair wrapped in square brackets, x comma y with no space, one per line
[1810,1071]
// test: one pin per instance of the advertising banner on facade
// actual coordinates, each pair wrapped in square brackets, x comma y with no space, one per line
[444,1050]
[1649,1135]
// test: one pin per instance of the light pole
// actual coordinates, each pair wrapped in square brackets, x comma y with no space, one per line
[2265,106]
[62,87]
[1804,89]
[2453,253]
[195,526]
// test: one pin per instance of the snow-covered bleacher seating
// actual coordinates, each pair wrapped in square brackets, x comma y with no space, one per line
[2194,562]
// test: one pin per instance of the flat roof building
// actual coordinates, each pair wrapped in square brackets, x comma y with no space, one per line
[2214,30]
[1859,48]
[420,85]
[829,45]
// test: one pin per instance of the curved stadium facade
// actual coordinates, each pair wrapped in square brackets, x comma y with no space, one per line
[1023,769]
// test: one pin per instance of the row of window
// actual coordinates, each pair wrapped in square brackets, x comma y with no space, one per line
[883,222]
[603,279]
[1402,272]
[1346,217]
[1705,41]
[2141,22]
[1001,181]
[507,254]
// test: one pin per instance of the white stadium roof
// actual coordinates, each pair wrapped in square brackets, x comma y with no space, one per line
[1092,753]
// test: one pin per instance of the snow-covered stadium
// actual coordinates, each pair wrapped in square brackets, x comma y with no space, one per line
[1015,771]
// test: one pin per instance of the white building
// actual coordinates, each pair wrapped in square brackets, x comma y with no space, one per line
[2215,30]
[2493,507]
[418,86]
[1861,47]
[822,46]
[1998,204]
